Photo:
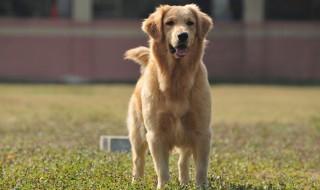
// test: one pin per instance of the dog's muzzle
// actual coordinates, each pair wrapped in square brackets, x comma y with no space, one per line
[181,49]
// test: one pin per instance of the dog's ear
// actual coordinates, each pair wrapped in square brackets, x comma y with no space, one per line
[204,22]
[153,24]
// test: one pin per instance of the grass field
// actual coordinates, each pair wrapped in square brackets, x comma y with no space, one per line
[265,137]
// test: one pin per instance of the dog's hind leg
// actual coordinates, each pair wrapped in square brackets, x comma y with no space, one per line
[138,143]
[139,149]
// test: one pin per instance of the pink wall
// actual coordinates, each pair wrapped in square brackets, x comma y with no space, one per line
[54,50]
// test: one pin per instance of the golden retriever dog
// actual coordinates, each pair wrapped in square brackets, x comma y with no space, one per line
[171,104]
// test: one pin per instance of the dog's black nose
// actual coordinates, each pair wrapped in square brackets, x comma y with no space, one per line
[183,36]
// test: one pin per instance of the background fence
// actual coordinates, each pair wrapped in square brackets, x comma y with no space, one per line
[84,40]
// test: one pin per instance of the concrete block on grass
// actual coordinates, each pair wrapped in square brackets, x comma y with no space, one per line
[115,144]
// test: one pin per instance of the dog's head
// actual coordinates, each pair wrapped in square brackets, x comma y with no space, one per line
[179,27]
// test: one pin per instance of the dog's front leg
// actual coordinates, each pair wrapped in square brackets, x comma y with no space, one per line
[160,155]
[183,166]
[158,125]
[201,157]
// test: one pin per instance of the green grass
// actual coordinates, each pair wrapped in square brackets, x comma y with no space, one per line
[265,137]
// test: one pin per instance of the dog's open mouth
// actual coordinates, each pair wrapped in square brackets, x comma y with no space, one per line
[179,51]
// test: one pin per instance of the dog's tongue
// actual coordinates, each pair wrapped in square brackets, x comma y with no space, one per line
[181,52]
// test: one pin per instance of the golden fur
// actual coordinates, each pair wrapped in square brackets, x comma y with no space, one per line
[171,104]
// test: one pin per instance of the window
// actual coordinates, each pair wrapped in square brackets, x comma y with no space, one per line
[138,8]
[293,10]
[227,9]
[35,8]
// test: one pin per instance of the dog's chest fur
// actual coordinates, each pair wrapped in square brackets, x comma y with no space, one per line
[175,87]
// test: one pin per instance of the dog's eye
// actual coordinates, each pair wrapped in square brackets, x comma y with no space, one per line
[170,23]
[190,23]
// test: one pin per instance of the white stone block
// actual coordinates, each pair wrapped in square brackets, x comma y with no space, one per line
[115,143]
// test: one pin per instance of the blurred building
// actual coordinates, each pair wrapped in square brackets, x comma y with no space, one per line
[83,40]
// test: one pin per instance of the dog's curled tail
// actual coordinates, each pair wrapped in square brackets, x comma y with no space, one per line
[139,55]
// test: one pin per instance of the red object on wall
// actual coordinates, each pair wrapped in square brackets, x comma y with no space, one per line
[54,9]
